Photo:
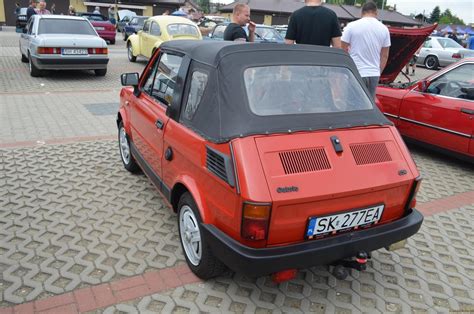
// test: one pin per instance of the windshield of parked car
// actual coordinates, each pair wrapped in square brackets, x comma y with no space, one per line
[267,33]
[95,17]
[283,90]
[448,43]
[180,29]
[65,26]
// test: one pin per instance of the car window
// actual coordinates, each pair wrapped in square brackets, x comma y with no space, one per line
[196,90]
[448,43]
[181,29]
[284,90]
[219,31]
[267,33]
[428,43]
[155,29]
[146,27]
[65,26]
[141,21]
[165,76]
[458,83]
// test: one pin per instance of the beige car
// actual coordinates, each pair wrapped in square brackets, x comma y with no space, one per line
[157,30]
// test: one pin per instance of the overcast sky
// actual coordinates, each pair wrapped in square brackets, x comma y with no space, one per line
[462,8]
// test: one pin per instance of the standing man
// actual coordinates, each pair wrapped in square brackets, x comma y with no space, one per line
[31,9]
[42,8]
[314,24]
[240,17]
[368,42]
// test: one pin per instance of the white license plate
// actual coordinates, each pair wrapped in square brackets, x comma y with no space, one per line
[70,51]
[99,28]
[320,226]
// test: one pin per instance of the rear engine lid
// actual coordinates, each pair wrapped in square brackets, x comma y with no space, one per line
[323,173]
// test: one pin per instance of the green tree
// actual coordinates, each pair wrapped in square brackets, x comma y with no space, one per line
[449,18]
[435,15]
[205,5]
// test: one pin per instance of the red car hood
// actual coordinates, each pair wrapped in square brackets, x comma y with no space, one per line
[405,42]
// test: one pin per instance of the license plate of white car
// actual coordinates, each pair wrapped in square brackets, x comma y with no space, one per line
[352,220]
[99,28]
[72,51]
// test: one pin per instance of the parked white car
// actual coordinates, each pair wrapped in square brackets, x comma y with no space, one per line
[441,51]
[61,42]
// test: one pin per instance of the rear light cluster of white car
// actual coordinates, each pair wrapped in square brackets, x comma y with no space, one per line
[456,55]
[57,51]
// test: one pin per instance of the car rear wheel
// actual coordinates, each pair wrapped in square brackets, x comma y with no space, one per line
[197,252]
[431,63]
[125,153]
[100,72]
[131,57]
[125,36]
[34,71]
[112,42]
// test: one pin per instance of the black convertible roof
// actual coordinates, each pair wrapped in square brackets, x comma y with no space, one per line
[210,52]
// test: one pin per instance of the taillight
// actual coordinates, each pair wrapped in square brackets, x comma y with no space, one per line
[48,50]
[255,219]
[456,55]
[411,202]
[97,51]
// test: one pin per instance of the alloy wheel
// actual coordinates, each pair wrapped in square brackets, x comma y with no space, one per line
[190,235]
[124,147]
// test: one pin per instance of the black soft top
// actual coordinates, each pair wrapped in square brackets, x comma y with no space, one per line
[224,112]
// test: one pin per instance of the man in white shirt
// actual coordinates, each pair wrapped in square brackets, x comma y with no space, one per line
[368,42]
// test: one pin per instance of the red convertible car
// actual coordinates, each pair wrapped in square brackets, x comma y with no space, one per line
[273,156]
[437,111]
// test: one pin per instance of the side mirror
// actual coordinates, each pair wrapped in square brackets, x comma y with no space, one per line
[423,85]
[129,79]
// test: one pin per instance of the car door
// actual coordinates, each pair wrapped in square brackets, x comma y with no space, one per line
[443,114]
[148,111]
[155,33]
[144,38]
[25,38]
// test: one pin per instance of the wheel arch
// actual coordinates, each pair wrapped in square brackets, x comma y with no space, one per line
[135,42]
[188,184]
[122,117]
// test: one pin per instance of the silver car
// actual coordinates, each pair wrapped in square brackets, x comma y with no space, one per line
[441,51]
[61,42]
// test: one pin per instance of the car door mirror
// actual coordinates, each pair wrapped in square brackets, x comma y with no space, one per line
[423,85]
[129,79]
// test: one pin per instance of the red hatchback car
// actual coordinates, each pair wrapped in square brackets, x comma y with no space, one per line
[273,156]
[437,111]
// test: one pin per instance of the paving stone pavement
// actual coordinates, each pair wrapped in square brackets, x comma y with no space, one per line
[71,216]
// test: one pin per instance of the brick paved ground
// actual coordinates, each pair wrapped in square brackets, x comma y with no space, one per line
[78,233]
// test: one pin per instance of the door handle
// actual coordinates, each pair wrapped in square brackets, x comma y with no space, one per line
[159,124]
[467,111]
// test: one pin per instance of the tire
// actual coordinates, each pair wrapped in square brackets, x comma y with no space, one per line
[431,63]
[100,72]
[112,42]
[130,55]
[125,36]
[124,148]
[199,257]
[34,71]
[24,59]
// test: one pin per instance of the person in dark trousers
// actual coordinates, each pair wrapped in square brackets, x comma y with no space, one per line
[240,17]
[314,24]
[31,9]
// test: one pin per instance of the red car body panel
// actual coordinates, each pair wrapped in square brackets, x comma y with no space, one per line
[106,30]
[374,168]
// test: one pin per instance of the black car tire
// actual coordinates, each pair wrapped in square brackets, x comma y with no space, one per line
[130,55]
[112,42]
[126,156]
[100,72]
[34,71]
[208,265]
[125,36]
[431,62]
[23,58]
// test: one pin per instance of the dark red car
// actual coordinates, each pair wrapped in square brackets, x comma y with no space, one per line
[437,111]
[102,25]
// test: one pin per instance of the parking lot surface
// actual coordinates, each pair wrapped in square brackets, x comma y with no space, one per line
[78,233]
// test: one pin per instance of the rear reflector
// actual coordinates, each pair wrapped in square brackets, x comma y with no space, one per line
[97,51]
[48,50]
[255,218]
[284,275]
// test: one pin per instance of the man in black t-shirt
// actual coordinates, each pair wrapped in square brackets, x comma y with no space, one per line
[314,24]
[31,9]
[240,17]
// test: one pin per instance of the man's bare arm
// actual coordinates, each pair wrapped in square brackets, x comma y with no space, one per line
[336,42]
[345,46]
[289,41]
[383,58]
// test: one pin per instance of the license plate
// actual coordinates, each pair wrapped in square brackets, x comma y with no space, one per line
[99,28]
[326,225]
[70,51]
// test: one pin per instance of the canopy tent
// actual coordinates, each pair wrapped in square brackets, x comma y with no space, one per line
[460,30]
[447,29]
[179,13]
